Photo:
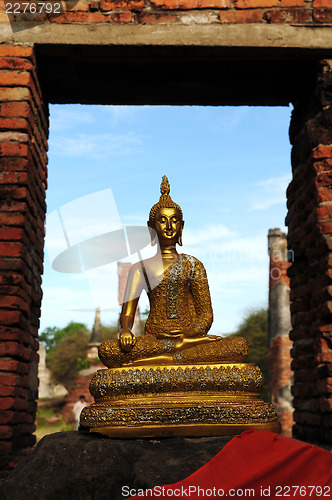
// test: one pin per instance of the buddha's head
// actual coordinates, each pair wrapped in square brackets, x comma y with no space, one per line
[166,218]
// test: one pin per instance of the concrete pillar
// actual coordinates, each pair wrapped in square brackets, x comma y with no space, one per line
[280,374]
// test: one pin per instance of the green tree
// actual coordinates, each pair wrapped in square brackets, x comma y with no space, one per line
[47,337]
[52,335]
[63,360]
[254,328]
[66,350]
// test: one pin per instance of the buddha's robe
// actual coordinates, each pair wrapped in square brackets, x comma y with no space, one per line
[179,301]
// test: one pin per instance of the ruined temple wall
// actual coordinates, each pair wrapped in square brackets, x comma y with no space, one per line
[310,239]
[23,145]
[183,12]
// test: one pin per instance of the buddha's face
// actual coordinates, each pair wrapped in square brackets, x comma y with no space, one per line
[168,225]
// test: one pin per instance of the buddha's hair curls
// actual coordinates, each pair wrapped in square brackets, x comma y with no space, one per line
[165,201]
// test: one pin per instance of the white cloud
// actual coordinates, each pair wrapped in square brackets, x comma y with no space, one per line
[65,117]
[208,234]
[95,146]
[225,121]
[271,192]
[219,244]
[118,114]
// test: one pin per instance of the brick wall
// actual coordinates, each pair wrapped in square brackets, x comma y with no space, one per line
[310,237]
[23,145]
[185,12]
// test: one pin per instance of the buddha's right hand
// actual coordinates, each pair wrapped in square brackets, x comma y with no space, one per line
[127,340]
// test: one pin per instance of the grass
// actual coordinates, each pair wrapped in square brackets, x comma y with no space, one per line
[50,421]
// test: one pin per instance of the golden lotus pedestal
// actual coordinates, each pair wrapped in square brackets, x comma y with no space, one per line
[178,400]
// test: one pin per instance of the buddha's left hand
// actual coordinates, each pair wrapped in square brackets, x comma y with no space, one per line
[194,331]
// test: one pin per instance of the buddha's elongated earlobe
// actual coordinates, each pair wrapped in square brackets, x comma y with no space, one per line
[153,236]
[180,235]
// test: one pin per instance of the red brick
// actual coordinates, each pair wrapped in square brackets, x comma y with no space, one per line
[14,302]
[325,227]
[15,63]
[14,94]
[324,385]
[323,212]
[322,151]
[158,18]
[120,17]
[325,404]
[6,391]
[13,206]
[289,16]
[11,249]
[16,334]
[10,109]
[11,233]
[325,357]
[191,4]
[14,366]
[10,136]
[12,349]
[11,219]
[323,169]
[322,15]
[135,5]
[293,3]
[10,318]
[6,431]
[15,417]
[13,149]
[13,404]
[241,16]
[253,4]
[15,78]
[16,51]
[14,124]
[5,447]
[80,17]
[321,3]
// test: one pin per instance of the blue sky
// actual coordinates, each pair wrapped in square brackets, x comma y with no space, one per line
[228,168]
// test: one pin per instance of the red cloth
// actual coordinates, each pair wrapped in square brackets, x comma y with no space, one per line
[256,464]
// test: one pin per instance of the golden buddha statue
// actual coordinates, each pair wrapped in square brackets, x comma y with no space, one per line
[173,378]
[180,305]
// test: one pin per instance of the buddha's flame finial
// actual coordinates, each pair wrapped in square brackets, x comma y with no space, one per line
[164,186]
[165,200]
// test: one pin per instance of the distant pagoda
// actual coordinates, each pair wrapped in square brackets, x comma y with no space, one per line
[96,337]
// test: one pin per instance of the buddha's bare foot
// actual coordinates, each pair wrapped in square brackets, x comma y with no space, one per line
[164,359]
[186,342]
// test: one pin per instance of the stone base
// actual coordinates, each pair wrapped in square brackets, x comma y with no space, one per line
[71,466]
[185,400]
